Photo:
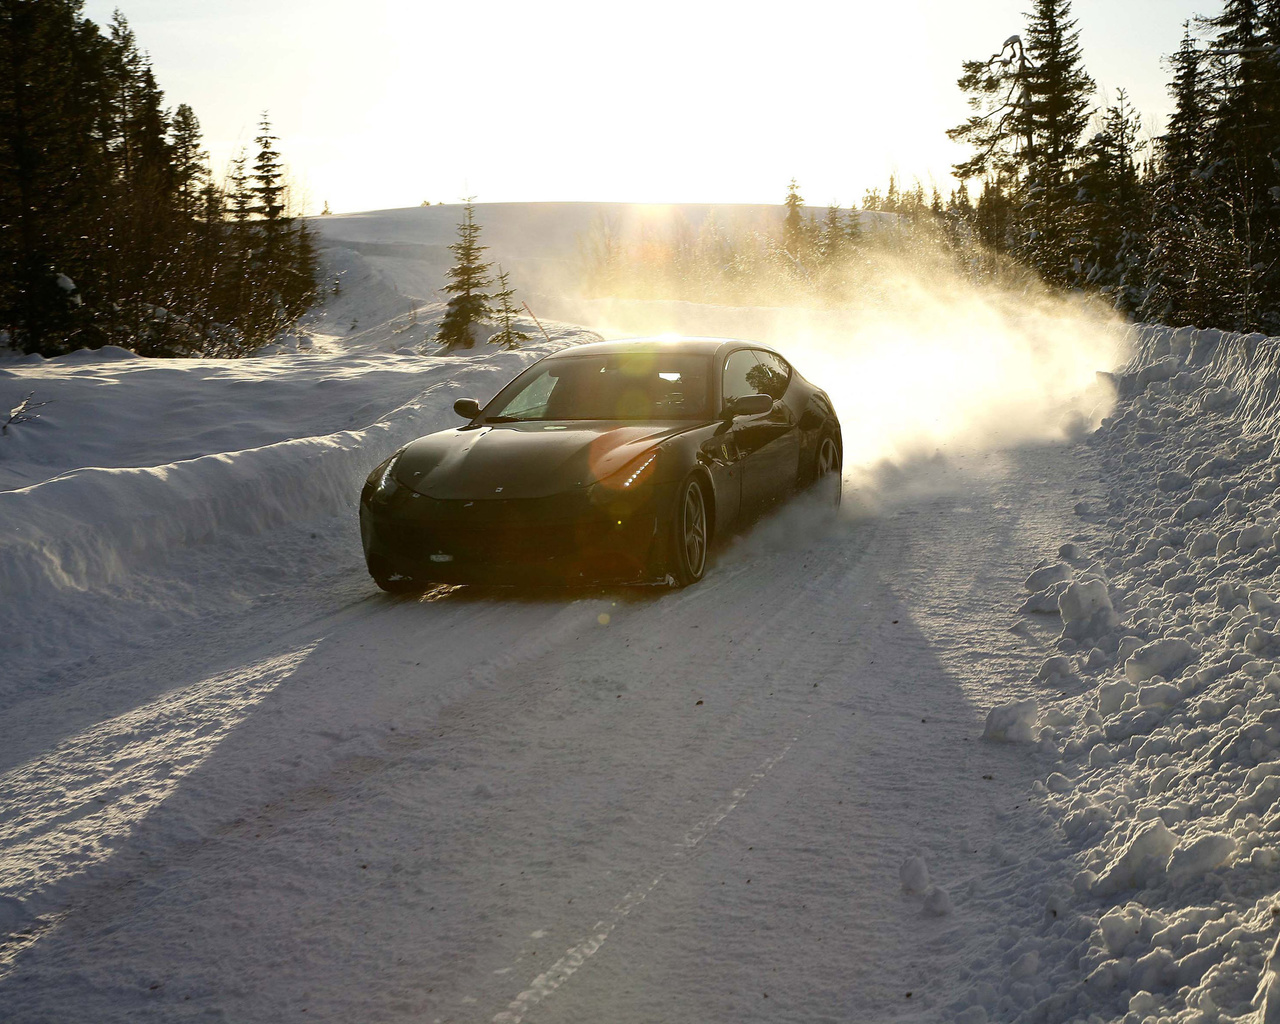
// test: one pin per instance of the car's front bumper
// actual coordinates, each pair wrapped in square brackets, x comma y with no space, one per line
[564,539]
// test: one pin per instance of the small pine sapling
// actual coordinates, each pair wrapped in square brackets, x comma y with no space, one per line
[507,335]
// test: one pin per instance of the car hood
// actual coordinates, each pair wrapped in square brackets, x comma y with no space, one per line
[523,460]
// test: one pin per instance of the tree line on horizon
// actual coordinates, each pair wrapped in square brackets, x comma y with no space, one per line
[113,229]
[1186,233]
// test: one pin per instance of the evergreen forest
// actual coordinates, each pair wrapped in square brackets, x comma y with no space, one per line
[113,228]
[1059,188]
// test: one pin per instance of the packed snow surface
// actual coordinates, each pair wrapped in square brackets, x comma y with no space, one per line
[1000,742]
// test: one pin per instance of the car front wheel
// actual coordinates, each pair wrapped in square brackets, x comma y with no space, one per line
[827,471]
[691,533]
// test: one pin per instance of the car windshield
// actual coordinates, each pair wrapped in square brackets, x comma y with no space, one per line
[621,386]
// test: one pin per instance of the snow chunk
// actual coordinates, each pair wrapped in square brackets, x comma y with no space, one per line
[1261,601]
[914,874]
[1161,369]
[1047,576]
[1231,595]
[1025,966]
[1159,695]
[1160,658]
[1253,537]
[1151,971]
[1217,399]
[1193,859]
[1143,858]
[1057,667]
[1086,604]
[1120,927]
[1012,722]
[1111,696]
[1193,509]
[937,902]
[1203,543]
[1046,601]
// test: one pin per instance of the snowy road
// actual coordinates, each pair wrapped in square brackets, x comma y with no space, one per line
[617,807]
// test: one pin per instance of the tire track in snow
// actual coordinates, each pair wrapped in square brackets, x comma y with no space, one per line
[545,984]
[72,807]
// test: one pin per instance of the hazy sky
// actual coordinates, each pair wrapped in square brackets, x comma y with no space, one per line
[384,103]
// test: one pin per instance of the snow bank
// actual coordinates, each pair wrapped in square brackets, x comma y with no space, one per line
[93,547]
[1164,776]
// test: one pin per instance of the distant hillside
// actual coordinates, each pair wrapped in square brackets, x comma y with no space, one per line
[539,243]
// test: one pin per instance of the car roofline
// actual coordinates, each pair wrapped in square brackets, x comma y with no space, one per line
[670,345]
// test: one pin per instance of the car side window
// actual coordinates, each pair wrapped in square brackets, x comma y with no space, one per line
[770,375]
[531,403]
[738,382]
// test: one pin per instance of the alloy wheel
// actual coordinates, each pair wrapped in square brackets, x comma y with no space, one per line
[695,530]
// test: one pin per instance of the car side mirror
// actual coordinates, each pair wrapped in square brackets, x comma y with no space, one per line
[467,408]
[748,405]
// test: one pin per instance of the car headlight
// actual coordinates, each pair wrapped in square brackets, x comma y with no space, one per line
[631,479]
[383,478]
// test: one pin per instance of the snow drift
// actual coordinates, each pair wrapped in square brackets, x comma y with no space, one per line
[1162,720]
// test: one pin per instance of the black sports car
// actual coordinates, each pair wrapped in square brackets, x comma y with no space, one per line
[612,462]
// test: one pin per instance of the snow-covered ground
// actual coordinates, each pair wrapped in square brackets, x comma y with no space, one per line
[845,778]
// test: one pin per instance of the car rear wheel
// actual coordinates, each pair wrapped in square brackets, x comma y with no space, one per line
[691,533]
[827,473]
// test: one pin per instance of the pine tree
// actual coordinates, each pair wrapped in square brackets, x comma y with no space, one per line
[1052,119]
[793,229]
[190,162]
[1112,216]
[835,237]
[268,171]
[145,223]
[1242,165]
[1182,144]
[995,215]
[468,279]
[53,172]
[1033,104]
[507,335]
[1056,109]
[100,184]
[853,231]
[892,198]
[1186,259]
[997,90]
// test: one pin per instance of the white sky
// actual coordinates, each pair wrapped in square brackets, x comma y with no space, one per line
[384,103]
